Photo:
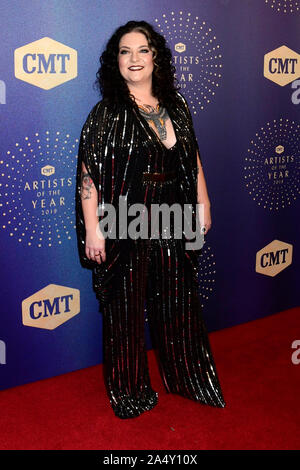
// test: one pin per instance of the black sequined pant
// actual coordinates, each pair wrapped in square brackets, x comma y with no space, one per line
[160,274]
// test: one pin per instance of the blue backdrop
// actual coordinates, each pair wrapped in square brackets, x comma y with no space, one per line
[238,65]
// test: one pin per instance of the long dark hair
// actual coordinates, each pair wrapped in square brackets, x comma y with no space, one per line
[112,85]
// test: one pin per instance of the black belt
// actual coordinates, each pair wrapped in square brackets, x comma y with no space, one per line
[160,177]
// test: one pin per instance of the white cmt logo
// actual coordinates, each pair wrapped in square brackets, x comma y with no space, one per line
[45,63]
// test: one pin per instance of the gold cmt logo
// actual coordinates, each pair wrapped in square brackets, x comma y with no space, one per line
[50,307]
[274,258]
[45,63]
[279,149]
[48,170]
[282,66]
[180,47]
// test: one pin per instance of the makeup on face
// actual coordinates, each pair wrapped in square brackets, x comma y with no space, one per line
[135,57]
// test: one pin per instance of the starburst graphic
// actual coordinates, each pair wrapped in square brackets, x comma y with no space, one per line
[284,6]
[272,165]
[197,56]
[207,271]
[37,180]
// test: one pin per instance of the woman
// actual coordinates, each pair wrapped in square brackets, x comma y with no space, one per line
[138,146]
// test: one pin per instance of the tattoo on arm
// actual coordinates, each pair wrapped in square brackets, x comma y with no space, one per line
[86,186]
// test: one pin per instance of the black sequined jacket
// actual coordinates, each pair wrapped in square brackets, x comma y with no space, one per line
[113,145]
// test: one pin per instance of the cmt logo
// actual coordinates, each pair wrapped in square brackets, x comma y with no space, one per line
[45,63]
[274,258]
[180,47]
[48,170]
[2,92]
[279,149]
[2,352]
[282,66]
[50,307]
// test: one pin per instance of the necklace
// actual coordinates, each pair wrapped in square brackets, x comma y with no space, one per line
[156,115]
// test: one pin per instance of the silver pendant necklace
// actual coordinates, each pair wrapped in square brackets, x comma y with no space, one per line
[158,116]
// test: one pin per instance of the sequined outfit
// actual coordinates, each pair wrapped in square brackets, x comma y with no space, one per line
[156,276]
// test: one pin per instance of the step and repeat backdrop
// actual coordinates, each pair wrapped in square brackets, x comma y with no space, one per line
[238,64]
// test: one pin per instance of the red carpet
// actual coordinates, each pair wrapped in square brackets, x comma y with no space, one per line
[260,385]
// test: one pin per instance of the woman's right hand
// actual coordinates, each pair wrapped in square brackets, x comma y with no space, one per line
[95,246]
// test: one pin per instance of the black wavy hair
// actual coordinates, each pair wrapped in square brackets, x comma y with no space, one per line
[112,85]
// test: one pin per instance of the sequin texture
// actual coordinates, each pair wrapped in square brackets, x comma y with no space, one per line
[156,276]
